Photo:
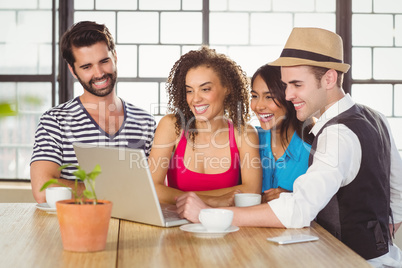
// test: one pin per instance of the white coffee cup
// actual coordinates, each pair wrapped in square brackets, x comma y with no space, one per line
[247,199]
[215,219]
[54,194]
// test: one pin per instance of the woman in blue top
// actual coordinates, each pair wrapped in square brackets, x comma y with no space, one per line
[284,140]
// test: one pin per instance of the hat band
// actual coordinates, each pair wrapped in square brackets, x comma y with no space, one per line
[307,55]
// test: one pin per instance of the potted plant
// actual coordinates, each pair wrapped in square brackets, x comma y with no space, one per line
[84,220]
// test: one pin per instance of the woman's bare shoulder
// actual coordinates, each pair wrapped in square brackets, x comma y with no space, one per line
[166,129]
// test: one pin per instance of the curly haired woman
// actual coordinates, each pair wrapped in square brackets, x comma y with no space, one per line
[204,145]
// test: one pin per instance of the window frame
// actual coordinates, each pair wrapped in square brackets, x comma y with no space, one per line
[62,82]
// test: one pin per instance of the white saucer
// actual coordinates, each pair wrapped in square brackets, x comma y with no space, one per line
[198,230]
[45,207]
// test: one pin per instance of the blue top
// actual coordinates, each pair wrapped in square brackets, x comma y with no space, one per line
[284,171]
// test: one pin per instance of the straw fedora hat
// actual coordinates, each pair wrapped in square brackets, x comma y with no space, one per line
[314,47]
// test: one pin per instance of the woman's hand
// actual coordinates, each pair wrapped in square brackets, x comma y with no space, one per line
[272,194]
[225,200]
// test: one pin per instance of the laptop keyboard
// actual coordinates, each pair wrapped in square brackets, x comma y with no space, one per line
[169,214]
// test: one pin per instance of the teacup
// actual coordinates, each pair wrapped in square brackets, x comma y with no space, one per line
[247,199]
[54,194]
[215,219]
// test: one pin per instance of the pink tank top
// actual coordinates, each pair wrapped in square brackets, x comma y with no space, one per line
[179,177]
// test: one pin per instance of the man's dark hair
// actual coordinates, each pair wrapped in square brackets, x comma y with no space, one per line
[84,34]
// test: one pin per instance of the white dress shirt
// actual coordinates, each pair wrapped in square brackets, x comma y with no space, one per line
[336,163]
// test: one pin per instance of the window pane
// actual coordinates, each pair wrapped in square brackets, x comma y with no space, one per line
[185,49]
[228,28]
[325,21]
[126,60]
[366,30]
[390,6]
[326,5]
[24,49]
[398,30]
[8,164]
[23,163]
[218,5]
[164,98]
[19,59]
[270,28]
[397,104]
[378,97]
[361,58]
[115,4]
[47,4]
[28,31]
[15,162]
[181,28]
[8,93]
[151,64]
[160,5]
[20,4]
[362,6]
[293,5]
[84,4]
[192,4]
[25,127]
[250,5]
[8,18]
[260,55]
[18,131]
[107,18]
[34,97]
[396,128]
[138,27]
[45,59]
[143,95]
[387,63]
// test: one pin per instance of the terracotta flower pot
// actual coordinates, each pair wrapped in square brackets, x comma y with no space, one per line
[84,228]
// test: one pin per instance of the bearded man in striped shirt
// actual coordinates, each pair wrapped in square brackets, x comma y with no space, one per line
[98,116]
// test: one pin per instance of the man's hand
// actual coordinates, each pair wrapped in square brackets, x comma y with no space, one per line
[41,172]
[189,206]
[272,194]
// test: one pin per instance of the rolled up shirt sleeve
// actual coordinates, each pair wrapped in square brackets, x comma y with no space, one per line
[336,163]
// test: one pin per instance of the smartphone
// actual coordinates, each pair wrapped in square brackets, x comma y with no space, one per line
[290,239]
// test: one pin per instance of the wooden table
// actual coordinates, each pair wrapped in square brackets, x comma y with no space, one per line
[31,238]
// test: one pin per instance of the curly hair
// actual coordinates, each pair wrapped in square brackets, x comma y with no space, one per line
[231,76]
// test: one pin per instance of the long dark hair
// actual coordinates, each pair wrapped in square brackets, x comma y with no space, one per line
[272,77]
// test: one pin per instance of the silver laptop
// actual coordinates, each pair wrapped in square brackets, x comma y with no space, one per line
[126,181]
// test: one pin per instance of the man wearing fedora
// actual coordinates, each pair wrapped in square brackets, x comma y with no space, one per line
[353,186]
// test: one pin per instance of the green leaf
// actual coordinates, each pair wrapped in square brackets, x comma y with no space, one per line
[49,182]
[89,194]
[94,173]
[65,166]
[32,100]
[80,174]
[97,168]
[6,109]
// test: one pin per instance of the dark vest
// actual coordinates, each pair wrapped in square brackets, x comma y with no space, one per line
[358,214]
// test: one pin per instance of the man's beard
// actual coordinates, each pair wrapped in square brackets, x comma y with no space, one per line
[100,92]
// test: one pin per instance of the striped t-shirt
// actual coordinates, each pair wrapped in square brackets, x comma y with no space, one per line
[69,122]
